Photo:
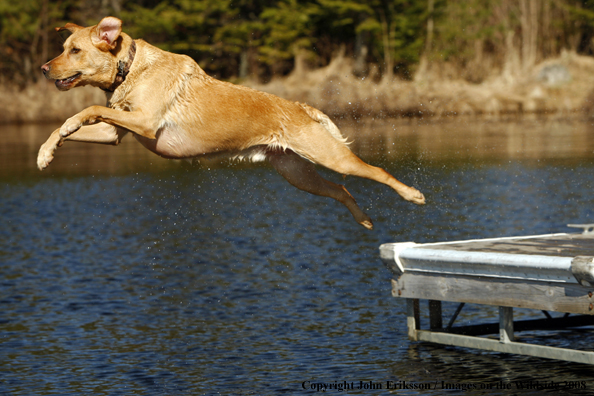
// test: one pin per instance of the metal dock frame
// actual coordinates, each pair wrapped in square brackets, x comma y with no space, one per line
[565,286]
[506,325]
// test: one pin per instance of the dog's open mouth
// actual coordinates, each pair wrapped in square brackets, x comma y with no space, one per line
[67,82]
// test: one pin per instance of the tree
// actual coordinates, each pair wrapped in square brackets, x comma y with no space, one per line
[262,38]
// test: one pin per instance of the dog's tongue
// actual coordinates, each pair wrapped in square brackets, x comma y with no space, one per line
[66,82]
[61,84]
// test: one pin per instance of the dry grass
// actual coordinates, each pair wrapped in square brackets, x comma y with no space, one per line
[42,102]
[340,94]
[337,92]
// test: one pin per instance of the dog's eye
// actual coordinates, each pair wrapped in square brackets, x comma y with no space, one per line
[75,50]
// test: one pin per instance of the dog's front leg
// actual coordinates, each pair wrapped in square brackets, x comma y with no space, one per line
[99,133]
[136,121]
[47,149]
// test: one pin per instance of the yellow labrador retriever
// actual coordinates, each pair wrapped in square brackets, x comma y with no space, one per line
[177,111]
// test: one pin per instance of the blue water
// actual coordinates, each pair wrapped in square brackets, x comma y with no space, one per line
[229,281]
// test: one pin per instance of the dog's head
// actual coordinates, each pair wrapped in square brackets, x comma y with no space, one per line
[89,57]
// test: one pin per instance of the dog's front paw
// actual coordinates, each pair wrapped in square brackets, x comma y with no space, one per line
[46,152]
[71,125]
[45,156]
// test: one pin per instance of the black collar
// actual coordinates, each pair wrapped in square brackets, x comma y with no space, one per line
[123,69]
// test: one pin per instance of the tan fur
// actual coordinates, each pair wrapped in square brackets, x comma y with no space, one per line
[177,111]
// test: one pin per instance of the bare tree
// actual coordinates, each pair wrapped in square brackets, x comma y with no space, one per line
[529,20]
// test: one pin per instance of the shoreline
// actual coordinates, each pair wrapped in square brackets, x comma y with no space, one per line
[563,86]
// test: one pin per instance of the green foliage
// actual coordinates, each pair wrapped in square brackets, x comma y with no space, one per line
[262,37]
[24,25]
[287,28]
[18,20]
[472,21]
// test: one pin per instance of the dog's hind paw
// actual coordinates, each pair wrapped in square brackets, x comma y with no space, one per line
[367,224]
[414,196]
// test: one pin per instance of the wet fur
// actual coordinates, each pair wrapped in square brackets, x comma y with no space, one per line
[176,110]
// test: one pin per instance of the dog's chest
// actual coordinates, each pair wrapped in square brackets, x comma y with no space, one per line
[175,142]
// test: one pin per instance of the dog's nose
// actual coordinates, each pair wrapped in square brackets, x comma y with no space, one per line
[45,68]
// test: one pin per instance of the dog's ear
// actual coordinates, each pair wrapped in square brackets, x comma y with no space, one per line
[106,33]
[69,26]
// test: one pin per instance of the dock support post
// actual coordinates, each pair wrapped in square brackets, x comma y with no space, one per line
[506,324]
[435,319]
[454,316]
[413,318]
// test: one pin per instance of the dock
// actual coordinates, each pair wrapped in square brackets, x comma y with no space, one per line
[550,273]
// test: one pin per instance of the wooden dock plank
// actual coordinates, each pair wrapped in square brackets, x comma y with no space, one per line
[571,298]
[561,245]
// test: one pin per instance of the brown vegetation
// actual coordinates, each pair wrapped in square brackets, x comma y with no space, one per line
[42,102]
[560,85]
[420,57]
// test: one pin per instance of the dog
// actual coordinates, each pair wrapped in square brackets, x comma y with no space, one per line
[174,109]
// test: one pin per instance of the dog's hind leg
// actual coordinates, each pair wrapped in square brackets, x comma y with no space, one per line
[318,145]
[303,175]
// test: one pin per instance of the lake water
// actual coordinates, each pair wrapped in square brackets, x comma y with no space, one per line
[125,274]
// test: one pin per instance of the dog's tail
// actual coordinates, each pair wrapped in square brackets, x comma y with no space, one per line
[326,122]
